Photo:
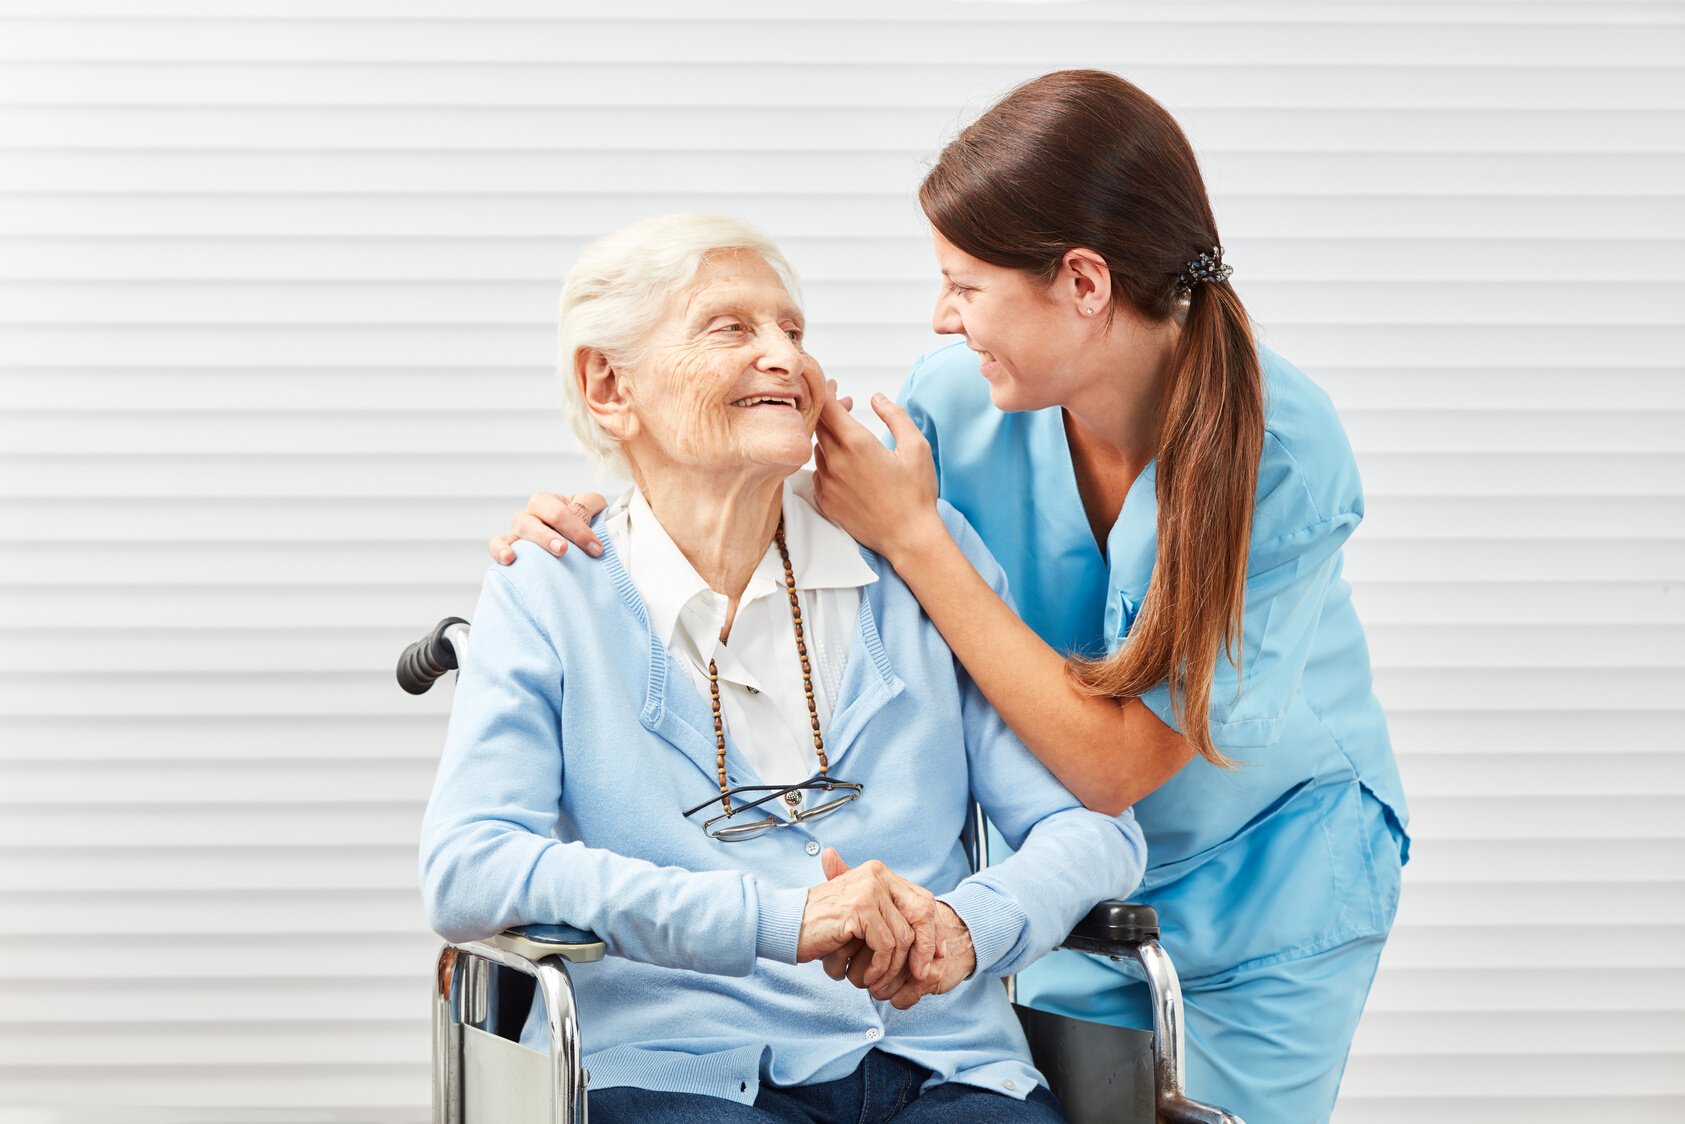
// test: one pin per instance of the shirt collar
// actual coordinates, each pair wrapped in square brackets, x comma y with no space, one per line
[663,575]
[822,556]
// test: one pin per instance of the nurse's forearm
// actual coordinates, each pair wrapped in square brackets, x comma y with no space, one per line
[1109,754]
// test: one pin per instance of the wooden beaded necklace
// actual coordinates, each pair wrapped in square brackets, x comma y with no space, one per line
[790,798]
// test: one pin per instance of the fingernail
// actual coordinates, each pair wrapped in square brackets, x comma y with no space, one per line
[594,549]
[556,546]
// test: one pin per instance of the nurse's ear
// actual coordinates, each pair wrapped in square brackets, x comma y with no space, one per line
[605,390]
[1084,284]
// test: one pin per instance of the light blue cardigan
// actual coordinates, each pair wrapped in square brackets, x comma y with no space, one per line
[574,745]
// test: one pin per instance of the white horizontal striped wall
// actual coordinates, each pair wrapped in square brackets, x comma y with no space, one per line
[275,288]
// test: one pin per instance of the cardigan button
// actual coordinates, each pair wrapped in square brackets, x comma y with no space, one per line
[812,847]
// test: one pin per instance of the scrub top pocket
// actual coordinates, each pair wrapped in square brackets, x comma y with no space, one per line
[1318,870]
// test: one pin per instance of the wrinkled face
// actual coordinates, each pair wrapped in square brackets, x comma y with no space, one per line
[723,383]
[1027,339]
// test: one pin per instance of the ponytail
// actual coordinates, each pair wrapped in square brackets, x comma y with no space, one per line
[1207,484]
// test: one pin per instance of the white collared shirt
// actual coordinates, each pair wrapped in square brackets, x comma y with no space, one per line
[762,702]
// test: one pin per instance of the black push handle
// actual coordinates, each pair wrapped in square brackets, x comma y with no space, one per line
[427,659]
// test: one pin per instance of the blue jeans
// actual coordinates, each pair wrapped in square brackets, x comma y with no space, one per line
[881,1089]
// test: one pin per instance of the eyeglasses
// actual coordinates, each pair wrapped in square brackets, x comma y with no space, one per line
[726,832]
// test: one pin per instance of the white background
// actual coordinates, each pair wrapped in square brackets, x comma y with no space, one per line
[276,282]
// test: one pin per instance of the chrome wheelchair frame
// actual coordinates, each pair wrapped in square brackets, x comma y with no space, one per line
[482,1075]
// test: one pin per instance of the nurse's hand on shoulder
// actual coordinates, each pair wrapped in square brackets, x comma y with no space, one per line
[552,521]
[885,498]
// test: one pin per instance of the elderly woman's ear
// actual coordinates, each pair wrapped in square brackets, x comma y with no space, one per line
[605,393]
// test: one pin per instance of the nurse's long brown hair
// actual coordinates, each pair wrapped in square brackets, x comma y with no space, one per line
[1081,158]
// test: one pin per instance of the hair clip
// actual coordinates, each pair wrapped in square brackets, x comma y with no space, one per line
[1208,267]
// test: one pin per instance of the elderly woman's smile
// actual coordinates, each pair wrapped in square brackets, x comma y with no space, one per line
[724,385]
[767,400]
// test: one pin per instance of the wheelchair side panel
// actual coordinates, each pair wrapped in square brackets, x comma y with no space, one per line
[503,1082]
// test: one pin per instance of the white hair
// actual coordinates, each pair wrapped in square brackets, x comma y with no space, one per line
[618,291]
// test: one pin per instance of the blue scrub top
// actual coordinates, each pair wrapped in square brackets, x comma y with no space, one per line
[1276,855]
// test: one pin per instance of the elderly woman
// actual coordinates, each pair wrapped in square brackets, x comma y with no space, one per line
[740,699]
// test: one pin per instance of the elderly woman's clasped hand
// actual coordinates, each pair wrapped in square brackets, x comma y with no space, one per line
[857,961]
[870,925]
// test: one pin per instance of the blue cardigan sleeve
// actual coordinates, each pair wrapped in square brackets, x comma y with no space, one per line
[490,858]
[1067,857]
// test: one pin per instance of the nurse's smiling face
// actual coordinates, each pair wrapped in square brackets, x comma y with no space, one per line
[1064,342]
[1029,336]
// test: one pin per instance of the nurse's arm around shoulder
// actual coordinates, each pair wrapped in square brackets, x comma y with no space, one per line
[1109,753]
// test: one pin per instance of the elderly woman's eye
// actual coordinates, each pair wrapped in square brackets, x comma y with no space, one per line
[794,333]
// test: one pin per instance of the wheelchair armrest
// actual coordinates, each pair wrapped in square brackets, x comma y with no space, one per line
[534,942]
[1114,928]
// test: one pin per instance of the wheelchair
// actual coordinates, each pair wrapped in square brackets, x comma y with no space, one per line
[482,992]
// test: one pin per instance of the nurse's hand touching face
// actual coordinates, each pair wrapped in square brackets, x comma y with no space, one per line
[885,498]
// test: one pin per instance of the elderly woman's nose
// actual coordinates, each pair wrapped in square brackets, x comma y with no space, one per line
[780,353]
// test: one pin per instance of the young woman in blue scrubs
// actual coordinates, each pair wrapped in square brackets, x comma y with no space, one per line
[1169,502]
